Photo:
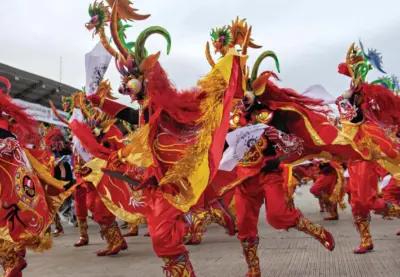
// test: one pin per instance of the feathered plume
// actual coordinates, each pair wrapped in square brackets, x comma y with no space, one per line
[83,132]
[25,122]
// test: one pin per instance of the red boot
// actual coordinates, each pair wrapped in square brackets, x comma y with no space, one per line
[322,207]
[398,234]
[362,225]
[316,231]
[250,252]
[222,216]
[84,236]
[59,230]
[13,264]
[178,266]
[197,223]
[114,239]
[133,231]
[20,250]
[333,210]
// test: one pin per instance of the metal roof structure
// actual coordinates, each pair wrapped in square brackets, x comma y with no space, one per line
[34,88]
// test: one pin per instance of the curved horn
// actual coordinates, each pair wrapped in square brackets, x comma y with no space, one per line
[140,51]
[259,84]
[83,107]
[128,45]
[348,61]
[114,30]
[254,72]
[253,45]
[53,108]
[383,82]
[360,72]
[126,12]
[246,41]
[208,55]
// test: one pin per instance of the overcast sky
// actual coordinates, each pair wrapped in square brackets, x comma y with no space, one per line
[310,37]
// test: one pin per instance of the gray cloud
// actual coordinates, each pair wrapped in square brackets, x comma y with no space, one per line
[310,37]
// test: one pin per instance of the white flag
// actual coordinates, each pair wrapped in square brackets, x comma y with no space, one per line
[96,64]
[319,92]
[385,181]
[77,146]
[240,141]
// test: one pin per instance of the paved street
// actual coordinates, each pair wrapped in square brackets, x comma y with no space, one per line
[282,254]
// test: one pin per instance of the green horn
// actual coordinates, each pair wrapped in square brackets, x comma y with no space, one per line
[264,55]
[140,51]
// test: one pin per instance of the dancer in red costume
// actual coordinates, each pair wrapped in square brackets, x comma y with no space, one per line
[391,193]
[104,134]
[184,137]
[263,176]
[329,187]
[296,129]
[30,196]
[370,117]
[310,172]
[306,172]
[56,143]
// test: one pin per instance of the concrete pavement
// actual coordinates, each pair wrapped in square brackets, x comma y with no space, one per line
[282,254]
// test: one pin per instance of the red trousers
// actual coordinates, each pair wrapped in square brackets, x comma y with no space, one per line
[251,195]
[87,198]
[165,222]
[324,184]
[209,194]
[363,187]
[391,193]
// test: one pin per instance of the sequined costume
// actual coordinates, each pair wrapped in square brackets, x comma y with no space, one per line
[370,118]
[179,142]
[328,188]
[55,141]
[296,128]
[106,134]
[30,196]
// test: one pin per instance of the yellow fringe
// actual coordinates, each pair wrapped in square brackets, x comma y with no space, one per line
[214,86]
[43,173]
[37,243]
[45,243]
[337,194]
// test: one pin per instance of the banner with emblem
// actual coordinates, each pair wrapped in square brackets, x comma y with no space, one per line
[240,141]
[96,65]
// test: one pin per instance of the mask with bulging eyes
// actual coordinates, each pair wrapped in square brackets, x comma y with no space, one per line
[248,99]
[132,88]
[347,111]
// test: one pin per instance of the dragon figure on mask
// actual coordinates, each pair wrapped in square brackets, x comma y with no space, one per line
[370,119]
[179,142]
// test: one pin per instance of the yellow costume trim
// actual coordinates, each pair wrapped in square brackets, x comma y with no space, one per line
[43,172]
[140,150]
[344,137]
[191,173]
[393,166]
[132,218]
[337,194]
[95,177]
